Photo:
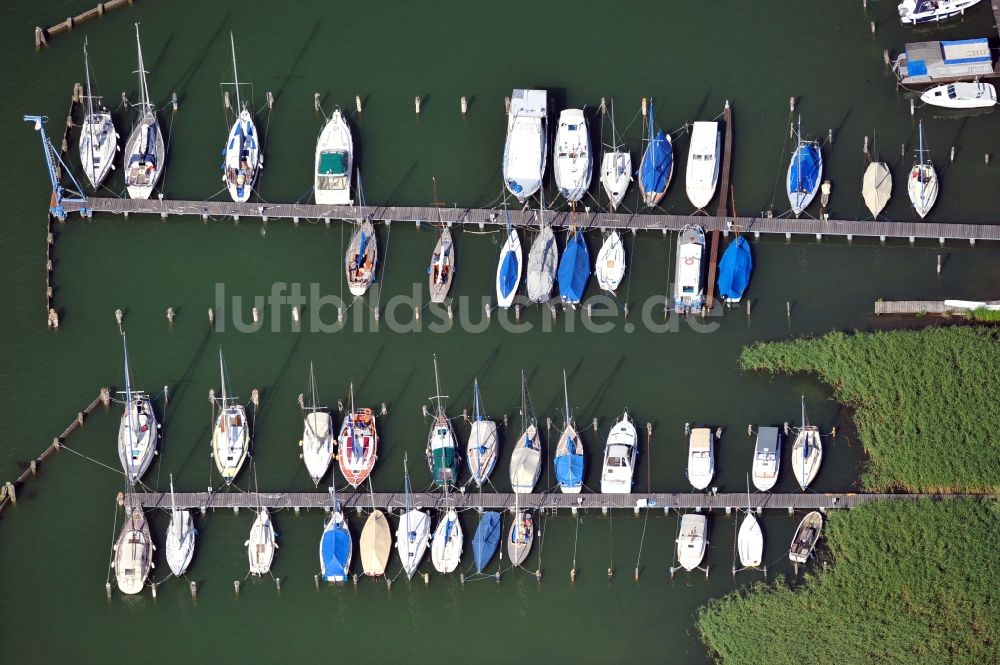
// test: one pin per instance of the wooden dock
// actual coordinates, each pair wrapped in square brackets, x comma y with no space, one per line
[236,500]
[42,35]
[922,307]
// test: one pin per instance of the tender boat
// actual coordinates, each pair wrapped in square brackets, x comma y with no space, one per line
[701,457]
[569,460]
[231,436]
[526,458]
[961,95]
[446,547]
[805,172]
[509,268]
[689,285]
[876,187]
[98,137]
[916,12]
[807,451]
[144,149]
[138,431]
[543,257]
[335,547]
[358,444]
[616,167]
[527,143]
[766,458]
[922,183]
[317,434]
[692,540]
[573,161]
[441,271]
[486,540]
[610,265]
[180,536]
[334,162]
[703,163]
[805,537]
[362,257]
[619,457]
[442,453]
[376,544]
[261,544]
[657,166]
[481,452]
[520,537]
[133,553]
[750,542]
[413,532]
[574,269]
[734,271]
[243,158]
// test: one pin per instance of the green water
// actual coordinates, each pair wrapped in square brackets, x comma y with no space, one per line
[692,57]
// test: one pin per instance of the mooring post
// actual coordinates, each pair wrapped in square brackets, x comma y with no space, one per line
[194,589]
[11,493]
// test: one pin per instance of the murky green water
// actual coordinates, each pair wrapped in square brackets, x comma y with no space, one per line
[55,545]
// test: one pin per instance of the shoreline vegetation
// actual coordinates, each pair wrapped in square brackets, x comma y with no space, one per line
[925,401]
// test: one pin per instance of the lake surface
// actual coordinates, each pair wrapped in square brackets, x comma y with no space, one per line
[691,57]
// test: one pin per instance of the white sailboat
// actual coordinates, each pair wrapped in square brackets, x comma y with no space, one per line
[573,161]
[336,547]
[807,451]
[334,162]
[750,540]
[98,137]
[766,458]
[703,163]
[138,431]
[569,459]
[526,146]
[922,183]
[481,451]
[610,264]
[413,532]
[358,443]
[180,536]
[543,260]
[261,544]
[243,157]
[133,553]
[362,258]
[441,271]
[961,95]
[619,457]
[231,435]
[144,149]
[521,536]
[446,547]
[509,267]
[616,167]
[317,434]
[692,540]
[701,457]
[441,451]
[526,458]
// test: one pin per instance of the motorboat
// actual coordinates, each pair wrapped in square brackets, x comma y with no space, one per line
[704,159]
[619,457]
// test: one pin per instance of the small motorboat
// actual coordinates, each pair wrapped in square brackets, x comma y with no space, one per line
[446,547]
[807,451]
[701,457]
[361,259]
[526,146]
[486,540]
[619,457]
[734,271]
[334,161]
[922,183]
[573,161]
[806,536]
[876,187]
[610,264]
[916,12]
[692,540]
[520,538]
[261,544]
[961,95]
[133,553]
[703,163]
[375,544]
[766,458]
[689,284]
[805,172]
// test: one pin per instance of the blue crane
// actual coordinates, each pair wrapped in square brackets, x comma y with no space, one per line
[51,156]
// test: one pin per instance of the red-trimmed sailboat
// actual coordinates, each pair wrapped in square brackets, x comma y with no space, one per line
[358,444]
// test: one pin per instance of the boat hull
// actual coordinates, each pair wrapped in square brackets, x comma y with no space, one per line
[616,175]
[543,259]
[138,432]
[610,264]
[805,173]
[230,442]
[806,536]
[133,553]
[317,444]
[750,542]
[261,544]
[335,549]
[509,270]
[915,12]
[334,162]
[446,547]
[520,538]
[358,445]
[412,534]
[922,187]
[619,457]
[143,163]
[876,187]
[689,285]
[376,544]
[703,164]
[243,158]
[98,144]
[526,462]
[807,456]
[572,162]
[481,451]
[962,95]
[180,542]
[441,271]
[361,259]
[692,541]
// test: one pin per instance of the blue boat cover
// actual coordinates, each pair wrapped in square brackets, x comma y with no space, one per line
[569,470]
[335,550]
[803,174]
[508,272]
[363,245]
[574,269]
[656,164]
[734,269]
[486,540]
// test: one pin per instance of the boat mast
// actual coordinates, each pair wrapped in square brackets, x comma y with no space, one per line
[437,389]
[920,155]
[222,377]
[236,79]
[312,388]
[652,152]
[798,158]
[566,395]
[143,90]
[476,407]
[128,377]
[90,113]
[173,508]
[406,500]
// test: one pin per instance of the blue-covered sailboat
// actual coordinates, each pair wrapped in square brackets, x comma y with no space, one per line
[657,165]
[805,172]
[335,547]
[509,267]
[574,269]
[734,270]
[569,460]
[486,540]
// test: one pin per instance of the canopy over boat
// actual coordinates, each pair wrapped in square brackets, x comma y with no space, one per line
[542,261]
[569,469]
[656,168]
[804,174]
[335,549]
[876,187]
[574,269]
[486,540]
[375,545]
[734,270]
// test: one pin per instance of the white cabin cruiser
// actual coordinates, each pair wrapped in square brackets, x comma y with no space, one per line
[619,457]
[334,162]
[916,12]
[572,159]
[961,95]
[766,458]
[701,457]
[261,543]
[692,540]
[525,150]
[703,163]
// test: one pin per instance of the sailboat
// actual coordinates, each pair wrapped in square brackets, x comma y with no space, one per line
[98,137]
[701,457]
[619,457]
[573,161]
[876,186]
[750,539]
[358,444]
[180,536]
[334,162]
[243,159]
[133,553]
[441,271]
[610,264]
[486,539]
[689,285]
[703,163]
[144,149]
[138,431]
[376,544]
[734,270]
[317,434]
[261,544]
[807,451]
[335,546]
[766,458]
[413,532]
[526,146]
[446,547]
[526,458]
[520,537]
[543,257]
[805,172]
[569,459]
[692,540]
[509,268]
[806,536]
[574,269]
[362,257]
[481,452]
[616,167]
[442,456]
[961,95]
[657,166]
[922,184]
[231,435]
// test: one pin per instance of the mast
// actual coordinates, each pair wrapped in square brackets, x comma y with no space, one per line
[222,377]
[143,90]
[566,395]
[437,388]
[406,498]
[128,377]
[176,523]
[476,407]
[90,113]
[921,156]
[312,388]
[798,157]
[236,79]
[524,402]
[652,152]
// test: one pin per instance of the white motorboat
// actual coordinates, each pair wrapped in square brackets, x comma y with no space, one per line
[144,149]
[876,187]
[573,162]
[261,544]
[413,532]
[526,146]
[750,542]
[317,434]
[689,280]
[231,435]
[616,167]
[916,12]
[180,536]
[98,137]
[610,264]
[704,159]
[922,183]
[243,157]
[692,540]
[961,95]
[701,457]
[446,547]
[133,553]
[806,536]
[509,268]
[807,451]
[766,458]
[362,258]
[138,431]
[334,162]
[619,457]
[526,457]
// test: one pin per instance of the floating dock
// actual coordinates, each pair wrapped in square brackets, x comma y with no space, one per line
[922,307]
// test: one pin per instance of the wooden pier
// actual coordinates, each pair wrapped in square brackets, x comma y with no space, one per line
[42,35]
[236,500]
[922,307]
